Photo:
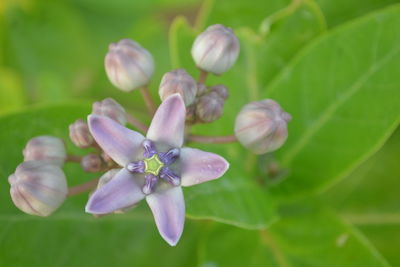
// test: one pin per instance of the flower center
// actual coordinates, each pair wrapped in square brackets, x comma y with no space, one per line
[153,165]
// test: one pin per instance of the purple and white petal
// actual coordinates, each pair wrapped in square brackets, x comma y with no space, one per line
[121,192]
[119,142]
[168,208]
[168,125]
[198,166]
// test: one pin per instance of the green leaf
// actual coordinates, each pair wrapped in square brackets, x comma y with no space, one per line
[307,237]
[369,198]
[86,241]
[340,11]
[11,91]
[342,92]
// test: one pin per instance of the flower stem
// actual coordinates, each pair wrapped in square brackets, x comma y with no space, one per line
[136,123]
[212,139]
[83,187]
[202,76]
[151,107]
[74,158]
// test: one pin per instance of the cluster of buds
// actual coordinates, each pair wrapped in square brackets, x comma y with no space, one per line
[153,167]
[39,186]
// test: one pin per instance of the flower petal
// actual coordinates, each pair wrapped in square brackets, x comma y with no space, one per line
[119,142]
[198,166]
[121,192]
[168,123]
[168,208]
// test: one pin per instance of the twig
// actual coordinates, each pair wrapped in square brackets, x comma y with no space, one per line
[74,158]
[151,107]
[212,139]
[83,187]
[202,76]
[136,123]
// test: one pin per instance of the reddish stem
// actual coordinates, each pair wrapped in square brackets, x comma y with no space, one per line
[151,107]
[212,139]
[92,184]
[202,76]
[136,123]
[74,158]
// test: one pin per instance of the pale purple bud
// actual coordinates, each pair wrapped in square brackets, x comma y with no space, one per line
[38,188]
[80,135]
[178,81]
[261,126]
[46,148]
[191,113]
[110,108]
[92,163]
[128,65]
[221,90]
[201,89]
[216,49]
[209,107]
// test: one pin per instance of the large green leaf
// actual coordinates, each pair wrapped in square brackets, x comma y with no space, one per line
[307,237]
[86,241]
[370,198]
[342,92]
[339,11]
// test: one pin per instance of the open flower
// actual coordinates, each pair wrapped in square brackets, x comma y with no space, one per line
[154,167]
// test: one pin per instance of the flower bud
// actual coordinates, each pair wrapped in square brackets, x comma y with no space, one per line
[178,81]
[92,163]
[80,135]
[221,90]
[261,126]
[110,108]
[46,148]
[128,65]
[38,188]
[201,89]
[216,49]
[209,107]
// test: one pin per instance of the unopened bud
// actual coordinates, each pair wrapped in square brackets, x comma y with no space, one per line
[209,107]
[178,81]
[128,65]
[216,49]
[38,188]
[201,89]
[110,108]
[221,90]
[80,135]
[46,148]
[261,126]
[92,163]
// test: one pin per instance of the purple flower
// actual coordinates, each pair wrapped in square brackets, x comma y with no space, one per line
[154,167]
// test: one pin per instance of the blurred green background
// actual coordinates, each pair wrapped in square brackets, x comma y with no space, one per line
[51,70]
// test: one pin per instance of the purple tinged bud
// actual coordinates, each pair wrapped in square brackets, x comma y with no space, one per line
[170,156]
[45,148]
[170,177]
[209,107]
[201,89]
[111,109]
[261,126]
[80,135]
[136,167]
[216,49]
[221,90]
[128,65]
[149,149]
[92,163]
[150,183]
[178,81]
[38,188]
